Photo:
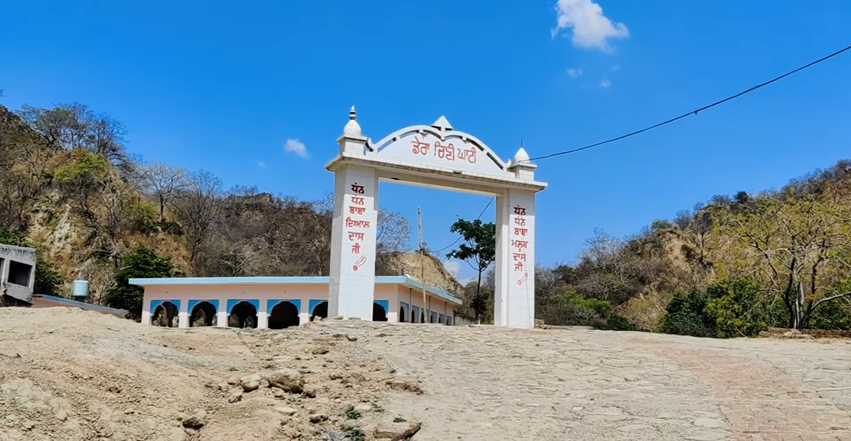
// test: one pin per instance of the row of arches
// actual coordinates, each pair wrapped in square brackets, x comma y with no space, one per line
[434,317]
[244,315]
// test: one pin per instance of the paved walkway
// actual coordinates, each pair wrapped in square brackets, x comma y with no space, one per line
[589,385]
[760,401]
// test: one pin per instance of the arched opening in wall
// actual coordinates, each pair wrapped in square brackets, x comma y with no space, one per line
[203,314]
[243,315]
[422,317]
[283,315]
[165,315]
[320,310]
[403,315]
[378,313]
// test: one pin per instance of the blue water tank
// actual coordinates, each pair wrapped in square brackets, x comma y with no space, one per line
[81,288]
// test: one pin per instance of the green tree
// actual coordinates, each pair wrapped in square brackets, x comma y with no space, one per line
[797,245]
[141,263]
[737,307]
[686,315]
[570,308]
[479,252]
[47,280]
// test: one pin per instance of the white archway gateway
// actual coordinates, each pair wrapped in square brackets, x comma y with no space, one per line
[433,156]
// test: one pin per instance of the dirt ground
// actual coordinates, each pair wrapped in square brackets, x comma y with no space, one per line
[74,375]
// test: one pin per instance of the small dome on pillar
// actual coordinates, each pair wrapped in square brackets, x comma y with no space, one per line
[521,156]
[352,127]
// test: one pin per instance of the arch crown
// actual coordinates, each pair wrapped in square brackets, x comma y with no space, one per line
[438,145]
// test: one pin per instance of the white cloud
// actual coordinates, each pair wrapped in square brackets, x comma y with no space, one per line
[605,84]
[261,164]
[615,68]
[453,267]
[574,73]
[591,29]
[296,147]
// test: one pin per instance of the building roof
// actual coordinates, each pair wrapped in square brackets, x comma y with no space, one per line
[83,305]
[318,280]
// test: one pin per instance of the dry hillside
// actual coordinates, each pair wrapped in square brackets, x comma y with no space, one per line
[73,191]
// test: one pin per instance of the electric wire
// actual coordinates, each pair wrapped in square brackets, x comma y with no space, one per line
[696,111]
[460,236]
[666,122]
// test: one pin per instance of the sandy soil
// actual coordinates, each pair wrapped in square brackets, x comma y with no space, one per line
[73,375]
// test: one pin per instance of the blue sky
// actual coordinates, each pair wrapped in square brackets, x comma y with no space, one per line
[223,86]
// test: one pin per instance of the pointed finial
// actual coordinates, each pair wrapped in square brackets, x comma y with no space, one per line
[442,124]
[352,128]
[521,156]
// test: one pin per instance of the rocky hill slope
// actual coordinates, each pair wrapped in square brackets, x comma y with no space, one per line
[73,191]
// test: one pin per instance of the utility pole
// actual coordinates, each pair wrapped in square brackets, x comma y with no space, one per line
[422,264]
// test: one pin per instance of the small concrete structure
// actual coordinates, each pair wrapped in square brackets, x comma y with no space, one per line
[17,274]
[281,302]
[435,156]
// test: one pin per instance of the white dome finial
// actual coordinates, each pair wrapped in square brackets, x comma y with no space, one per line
[352,128]
[521,156]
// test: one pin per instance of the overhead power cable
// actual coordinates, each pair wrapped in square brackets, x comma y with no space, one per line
[696,111]
[668,121]
[460,236]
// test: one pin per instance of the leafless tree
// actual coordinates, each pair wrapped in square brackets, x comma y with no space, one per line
[163,181]
[74,125]
[197,207]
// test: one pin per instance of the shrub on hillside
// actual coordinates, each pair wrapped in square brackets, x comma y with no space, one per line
[618,323]
[571,309]
[737,308]
[141,263]
[686,315]
[730,308]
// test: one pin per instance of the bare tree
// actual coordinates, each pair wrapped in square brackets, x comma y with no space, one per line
[392,236]
[163,181]
[610,270]
[69,126]
[197,208]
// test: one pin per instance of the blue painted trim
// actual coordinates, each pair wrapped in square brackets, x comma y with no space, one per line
[82,305]
[227,280]
[384,304]
[381,280]
[155,303]
[234,302]
[273,303]
[193,303]
[312,304]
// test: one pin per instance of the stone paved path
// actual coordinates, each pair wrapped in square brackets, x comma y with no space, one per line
[589,385]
